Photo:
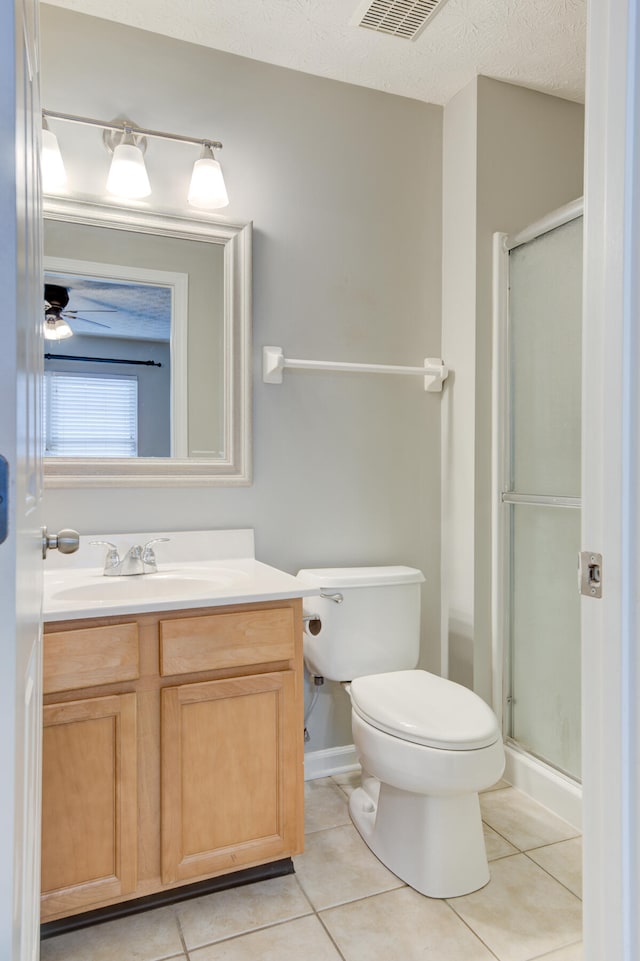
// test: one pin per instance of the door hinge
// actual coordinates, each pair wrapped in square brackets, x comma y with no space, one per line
[590,573]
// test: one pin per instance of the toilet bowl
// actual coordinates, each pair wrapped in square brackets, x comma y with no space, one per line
[418,808]
[426,745]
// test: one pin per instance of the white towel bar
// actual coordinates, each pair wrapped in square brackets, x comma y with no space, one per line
[274,362]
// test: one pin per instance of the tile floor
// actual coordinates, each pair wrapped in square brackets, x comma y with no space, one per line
[344,905]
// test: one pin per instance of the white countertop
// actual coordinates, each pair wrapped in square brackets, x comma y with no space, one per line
[195,569]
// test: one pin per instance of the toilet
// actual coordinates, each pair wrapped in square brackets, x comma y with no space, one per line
[427,746]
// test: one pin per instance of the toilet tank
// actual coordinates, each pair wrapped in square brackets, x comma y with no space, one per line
[369,620]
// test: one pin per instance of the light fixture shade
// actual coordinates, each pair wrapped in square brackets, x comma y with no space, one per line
[207,189]
[56,327]
[54,176]
[128,174]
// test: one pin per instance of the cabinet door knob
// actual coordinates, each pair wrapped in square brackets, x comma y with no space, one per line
[66,541]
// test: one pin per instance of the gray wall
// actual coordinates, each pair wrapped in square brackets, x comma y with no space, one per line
[528,151]
[343,185]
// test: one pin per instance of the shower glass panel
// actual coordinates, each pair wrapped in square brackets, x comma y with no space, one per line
[541,496]
[545,318]
[545,626]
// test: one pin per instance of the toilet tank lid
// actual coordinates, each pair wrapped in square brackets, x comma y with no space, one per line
[336,577]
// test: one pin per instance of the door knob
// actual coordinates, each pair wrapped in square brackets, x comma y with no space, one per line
[65,541]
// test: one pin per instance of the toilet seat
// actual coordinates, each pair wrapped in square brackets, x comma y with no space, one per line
[425,709]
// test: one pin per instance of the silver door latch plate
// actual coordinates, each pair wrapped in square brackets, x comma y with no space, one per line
[590,574]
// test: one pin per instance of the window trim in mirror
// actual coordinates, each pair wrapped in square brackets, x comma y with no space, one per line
[235,468]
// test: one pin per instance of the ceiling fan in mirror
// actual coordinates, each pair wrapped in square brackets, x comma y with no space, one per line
[56,325]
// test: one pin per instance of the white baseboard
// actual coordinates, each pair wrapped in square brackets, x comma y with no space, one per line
[544,784]
[331,760]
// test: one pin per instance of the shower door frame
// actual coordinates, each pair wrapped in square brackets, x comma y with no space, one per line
[501,523]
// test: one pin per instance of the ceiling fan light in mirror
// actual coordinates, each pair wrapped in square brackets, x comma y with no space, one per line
[55,326]
[128,175]
[207,189]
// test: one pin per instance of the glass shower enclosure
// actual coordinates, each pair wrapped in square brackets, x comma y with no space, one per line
[537,481]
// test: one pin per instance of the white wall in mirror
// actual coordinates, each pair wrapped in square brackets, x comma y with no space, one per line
[207,267]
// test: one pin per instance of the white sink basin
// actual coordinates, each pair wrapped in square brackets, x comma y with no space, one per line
[197,569]
[150,586]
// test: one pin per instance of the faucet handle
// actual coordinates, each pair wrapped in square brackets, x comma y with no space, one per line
[113,558]
[149,556]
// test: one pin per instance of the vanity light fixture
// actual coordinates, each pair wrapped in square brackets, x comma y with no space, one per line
[207,188]
[54,176]
[128,175]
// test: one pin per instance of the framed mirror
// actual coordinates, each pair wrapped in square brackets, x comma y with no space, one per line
[148,349]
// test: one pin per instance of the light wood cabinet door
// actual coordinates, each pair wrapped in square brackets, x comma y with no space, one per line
[231,774]
[89,803]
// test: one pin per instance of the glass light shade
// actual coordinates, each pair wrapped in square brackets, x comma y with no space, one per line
[128,174]
[56,328]
[207,188]
[54,176]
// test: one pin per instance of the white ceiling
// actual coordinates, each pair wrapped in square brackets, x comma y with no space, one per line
[109,308]
[536,43]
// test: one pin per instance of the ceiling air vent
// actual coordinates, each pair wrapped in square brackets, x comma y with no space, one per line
[398,18]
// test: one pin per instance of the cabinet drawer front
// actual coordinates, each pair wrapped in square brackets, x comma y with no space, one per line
[218,641]
[89,657]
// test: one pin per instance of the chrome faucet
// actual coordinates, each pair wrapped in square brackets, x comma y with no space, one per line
[137,560]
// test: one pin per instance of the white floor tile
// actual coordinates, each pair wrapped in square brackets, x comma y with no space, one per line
[152,936]
[564,861]
[495,845]
[402,925]
[337,866]
[293,941]
[523,821]
[522,913]
[225,914]
[325,805]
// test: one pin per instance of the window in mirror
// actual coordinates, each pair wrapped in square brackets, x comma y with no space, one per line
[86,415]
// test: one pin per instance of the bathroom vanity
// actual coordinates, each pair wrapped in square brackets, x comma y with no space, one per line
[173,731]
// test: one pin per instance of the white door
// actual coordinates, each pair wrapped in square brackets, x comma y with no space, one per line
[611,484]
[20,550]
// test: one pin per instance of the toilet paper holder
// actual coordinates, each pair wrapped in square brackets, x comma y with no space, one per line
[311,624]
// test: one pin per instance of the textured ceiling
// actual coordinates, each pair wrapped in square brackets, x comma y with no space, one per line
[106,308]
[535,43]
